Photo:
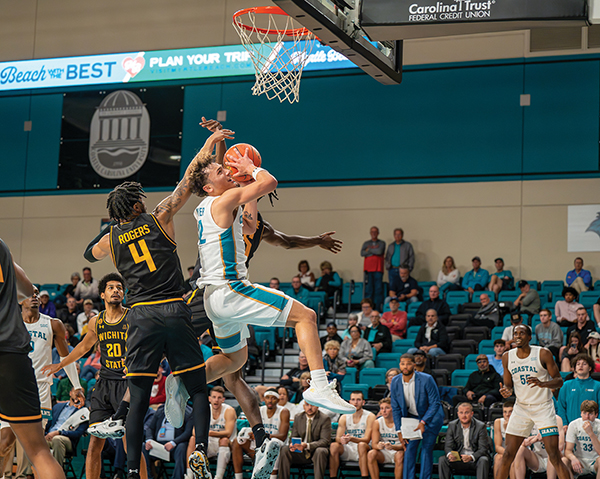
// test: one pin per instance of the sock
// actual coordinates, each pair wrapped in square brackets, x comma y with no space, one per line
[259,434]
[319,378]
[122,411]
[239,475]
[222,460]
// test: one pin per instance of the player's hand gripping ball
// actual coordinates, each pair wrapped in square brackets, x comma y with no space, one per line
[240,149]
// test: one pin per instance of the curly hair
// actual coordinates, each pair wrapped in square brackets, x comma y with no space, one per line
[199,173]
[121,200]
[110,277]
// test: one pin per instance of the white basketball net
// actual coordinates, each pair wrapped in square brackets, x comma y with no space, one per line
[279,57]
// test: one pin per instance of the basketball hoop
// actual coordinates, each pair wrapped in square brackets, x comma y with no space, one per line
[279,54]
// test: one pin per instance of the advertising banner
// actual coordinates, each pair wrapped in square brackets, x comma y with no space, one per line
[584,228]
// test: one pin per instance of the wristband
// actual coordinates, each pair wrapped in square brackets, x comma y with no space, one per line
[256,171]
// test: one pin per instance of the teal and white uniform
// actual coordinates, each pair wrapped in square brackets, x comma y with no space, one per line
[358,429]
[584,449]
[41,355]
[534,405]
[388,434]
[231,301]
[218,425]
[539,449]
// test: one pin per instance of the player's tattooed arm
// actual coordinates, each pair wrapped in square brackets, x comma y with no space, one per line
[279,238]
[250,216]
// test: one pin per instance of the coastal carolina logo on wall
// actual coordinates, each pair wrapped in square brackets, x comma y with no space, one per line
[119,135]
[584,228]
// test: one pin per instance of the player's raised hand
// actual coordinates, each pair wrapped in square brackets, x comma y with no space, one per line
[211,125]
[329,243]
[506,392]
[220,135]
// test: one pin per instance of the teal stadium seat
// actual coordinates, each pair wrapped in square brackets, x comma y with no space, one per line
[347,389]
[471,361]
[401,346]
[412,307]
[534,284]
[350,377]
[372,376]
[553,287]
[477,294]
[588,298]
[357,295]
[508,296]
[486,346]
[411,333]
[497,333]
[263,333]
[461,376]
[457,297]
[544,296]
[387,360]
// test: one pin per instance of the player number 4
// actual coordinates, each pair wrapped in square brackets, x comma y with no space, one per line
[145,256]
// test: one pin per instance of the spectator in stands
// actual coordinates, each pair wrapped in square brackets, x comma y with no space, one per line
[65,428]
[92,364]
[568,353]
[532,454]
[372,251]
[332,335]
[421,362]
[583,442]
[395,320]
[307,278]
[583,325]
[579,279]
[574,391]
[387,448]
[46,306]
[64,386]
[330,282]
[175,440]
[284,401]
[399,253]
[495,359]
[274,283]
[416,395]
[69,314]
[593,349]
[378,334]
[483,385]
[477,279]
[408,289]
[566,311]
[467,446]
[500,432]
[364,316]
[488,315]
[389,375]
[356,350]
[71,338]
[352,437]
[291,379]
[334,364]
[548,333]
[298,292]
[84,318]
[432,338]
[158,395]
[87,288]
[449,277]
[222,430]
[304,385]
[501,280]
[352,321]
[313,428]
[434,302]
[528,301]
[69,291]
[596,311]
[508,334]
[276,420]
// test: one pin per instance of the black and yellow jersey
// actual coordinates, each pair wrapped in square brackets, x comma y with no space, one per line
[252,241]
[147,258]
[113,345]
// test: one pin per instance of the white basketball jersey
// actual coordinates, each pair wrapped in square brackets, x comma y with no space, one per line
[503,431]
[41,343]
[218,424]
[271,423]
[387,434]
[538,447]
[360,428]
[521,370]
[222,250]
[584,449]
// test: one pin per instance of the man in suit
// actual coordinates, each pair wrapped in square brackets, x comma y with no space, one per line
[467,437]
[175,440]
[416,395]
[313,447]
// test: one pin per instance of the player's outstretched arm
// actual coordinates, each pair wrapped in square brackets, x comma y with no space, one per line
[278,238]
[24,285]
[221,149]
[167,208]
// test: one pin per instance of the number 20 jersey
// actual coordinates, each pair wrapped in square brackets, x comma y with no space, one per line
[521,370]
[147,258]
[113,346]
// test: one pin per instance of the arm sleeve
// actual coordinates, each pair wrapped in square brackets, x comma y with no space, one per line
[364,252]
[77,433]
[88,250]
[561,405]
[336,281]
[380,248]
[71,371]
[466,282]
[440,279]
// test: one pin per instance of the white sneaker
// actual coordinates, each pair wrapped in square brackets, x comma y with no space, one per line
[177,398]
[328,398]
[265,458]
[108,429]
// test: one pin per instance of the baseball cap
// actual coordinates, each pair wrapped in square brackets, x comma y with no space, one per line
[419,353]
[394,298]
[44,293]
[516,316]
[498,259]
[523,283]
[331,323]
[481,356]
[88,301]
[476,258]
[594,334]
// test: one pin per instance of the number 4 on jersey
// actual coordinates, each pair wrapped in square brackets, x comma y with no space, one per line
[145,256]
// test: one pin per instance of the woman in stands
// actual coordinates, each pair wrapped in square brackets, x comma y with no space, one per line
[593,349]
[573,348]
[449,277]
[307,278]
[357,351]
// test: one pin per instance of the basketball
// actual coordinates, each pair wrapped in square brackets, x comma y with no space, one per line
[253,154]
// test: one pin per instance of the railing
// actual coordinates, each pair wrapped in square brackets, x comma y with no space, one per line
[350,293]
[265,346]
[285,333]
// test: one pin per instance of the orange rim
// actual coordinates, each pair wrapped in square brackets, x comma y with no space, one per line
[267,11]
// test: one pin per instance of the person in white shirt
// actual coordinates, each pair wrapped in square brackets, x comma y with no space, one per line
[583,446]
[449,277]
[221,432]
[387,447]
[500,432]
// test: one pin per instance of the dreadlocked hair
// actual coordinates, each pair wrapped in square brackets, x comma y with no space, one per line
[199,173]
[121,200]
